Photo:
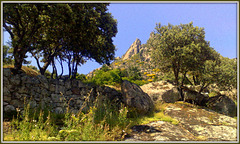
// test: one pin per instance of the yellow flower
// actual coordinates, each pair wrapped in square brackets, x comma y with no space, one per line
[150,80]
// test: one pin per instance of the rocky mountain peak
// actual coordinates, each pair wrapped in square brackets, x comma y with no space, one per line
[133,49]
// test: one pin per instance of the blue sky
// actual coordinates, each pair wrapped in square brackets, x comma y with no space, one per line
[139,20]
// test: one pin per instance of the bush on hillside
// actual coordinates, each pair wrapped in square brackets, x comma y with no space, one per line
[111,77]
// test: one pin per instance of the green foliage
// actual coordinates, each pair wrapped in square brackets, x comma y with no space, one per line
[47,74]
[105,68]
[133,73]
[81,77]
[7,55]
[137,82]
[227,76]
[111,77]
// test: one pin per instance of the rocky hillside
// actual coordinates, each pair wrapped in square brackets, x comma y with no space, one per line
[138,56]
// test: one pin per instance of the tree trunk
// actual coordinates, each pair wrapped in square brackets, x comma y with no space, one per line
[45,66]
[19,55]
[60,61]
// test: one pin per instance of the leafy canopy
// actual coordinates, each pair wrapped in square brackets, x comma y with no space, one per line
[70,32]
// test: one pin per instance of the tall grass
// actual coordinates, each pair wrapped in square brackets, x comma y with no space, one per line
[103,122]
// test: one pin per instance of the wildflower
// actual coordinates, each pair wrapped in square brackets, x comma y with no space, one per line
[18,109]
[34,120]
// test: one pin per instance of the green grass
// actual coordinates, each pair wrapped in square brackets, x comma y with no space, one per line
[157,115]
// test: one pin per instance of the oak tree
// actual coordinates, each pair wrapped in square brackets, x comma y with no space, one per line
[181,49]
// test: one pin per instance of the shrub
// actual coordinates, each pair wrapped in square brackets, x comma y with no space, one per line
[137,82]
[134,73]
[81,77]
[111,77]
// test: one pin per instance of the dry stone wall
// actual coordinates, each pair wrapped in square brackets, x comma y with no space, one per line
[56,95]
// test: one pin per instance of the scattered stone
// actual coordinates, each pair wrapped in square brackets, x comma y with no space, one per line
[223,105]
[171,96]
[193,96]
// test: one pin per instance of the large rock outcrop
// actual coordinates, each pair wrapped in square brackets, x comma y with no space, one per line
[156,89]
[134,97]
[195,124]
[133,49]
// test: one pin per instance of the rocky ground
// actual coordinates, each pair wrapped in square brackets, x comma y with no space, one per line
[195,124]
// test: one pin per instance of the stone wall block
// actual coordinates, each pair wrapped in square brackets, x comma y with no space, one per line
[57,98]
[6,91]
[43,81]
[7,98]
[68,92]
[23,90]
[33,104]
[44,92]
[17,103]
[68,84]
[59,110]
[5,103]
[5,80]
[60,89]
[75,90]
[7,72]
[9,108]
[52,87]
[15,80]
